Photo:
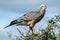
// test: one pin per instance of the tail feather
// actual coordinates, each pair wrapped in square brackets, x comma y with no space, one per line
[7,26]
[12,23]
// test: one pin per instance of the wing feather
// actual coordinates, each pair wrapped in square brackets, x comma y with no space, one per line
[31,15]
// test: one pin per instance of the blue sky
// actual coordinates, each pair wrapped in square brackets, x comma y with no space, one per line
[13,9]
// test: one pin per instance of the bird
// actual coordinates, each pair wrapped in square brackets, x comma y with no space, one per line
[30,18]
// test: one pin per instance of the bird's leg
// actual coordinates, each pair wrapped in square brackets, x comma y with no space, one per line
[31,24]
[32,28]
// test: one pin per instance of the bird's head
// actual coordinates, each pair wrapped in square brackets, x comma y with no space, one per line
[42,7]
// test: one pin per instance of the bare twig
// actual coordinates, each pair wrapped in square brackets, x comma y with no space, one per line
[20,32]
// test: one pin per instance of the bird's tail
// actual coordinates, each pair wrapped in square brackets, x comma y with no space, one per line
[12,23]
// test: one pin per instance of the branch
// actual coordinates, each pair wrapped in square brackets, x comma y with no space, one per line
[20,32]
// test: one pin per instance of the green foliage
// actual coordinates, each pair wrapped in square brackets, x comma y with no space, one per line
[43,34]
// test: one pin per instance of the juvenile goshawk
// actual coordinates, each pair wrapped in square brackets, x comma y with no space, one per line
[30,18]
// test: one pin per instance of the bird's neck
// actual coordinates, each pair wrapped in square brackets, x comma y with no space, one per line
[42,11]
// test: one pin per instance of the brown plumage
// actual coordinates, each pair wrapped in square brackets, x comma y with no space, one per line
[31,18]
